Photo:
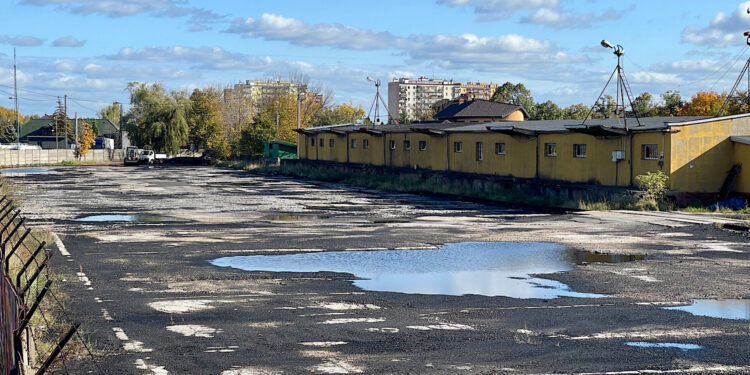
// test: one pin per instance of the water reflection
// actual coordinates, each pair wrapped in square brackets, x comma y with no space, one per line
[137,218]
[726,309]
[683,347]
[23,171]
[485,268]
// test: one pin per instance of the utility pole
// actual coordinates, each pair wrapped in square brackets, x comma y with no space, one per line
[76,131]
[66,121]
[15,97]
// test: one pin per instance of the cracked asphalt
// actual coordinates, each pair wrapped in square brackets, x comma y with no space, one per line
[151,303]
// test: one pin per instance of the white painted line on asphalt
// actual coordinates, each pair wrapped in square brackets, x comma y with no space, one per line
[61,246]
[105,315]
[82,277]
[156,370]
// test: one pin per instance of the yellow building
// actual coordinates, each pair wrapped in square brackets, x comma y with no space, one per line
[696,152]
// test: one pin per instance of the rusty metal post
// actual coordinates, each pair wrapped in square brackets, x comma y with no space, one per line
[26,318]
[27,264]
[33,277]
[55,352]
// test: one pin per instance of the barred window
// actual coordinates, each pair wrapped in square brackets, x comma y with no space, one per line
[354,143]
[365,144]
[500,148]
[330,143]
[458,147]
[393,145]
[407,145]
[579,150]
[422,145]
[321,142]
[312,142]
[650,152]
[480,151]
[550,149]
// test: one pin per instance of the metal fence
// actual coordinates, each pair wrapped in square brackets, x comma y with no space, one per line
[32,157]
[25,281]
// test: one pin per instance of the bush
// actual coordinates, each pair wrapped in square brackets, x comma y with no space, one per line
[655,185]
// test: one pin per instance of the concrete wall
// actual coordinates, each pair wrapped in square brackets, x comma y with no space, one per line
[742,155]
[31,157]
[701,156]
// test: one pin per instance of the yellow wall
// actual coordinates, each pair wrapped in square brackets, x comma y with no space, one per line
[518,160]
[306,150]
[662,141]
[372,155]
[742,155]
[337,153]
[432,158]
[597,167]
[701,156]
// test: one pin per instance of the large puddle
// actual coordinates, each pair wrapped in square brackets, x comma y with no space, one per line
[726,309]
[136,218]
[484,268]
[23,171]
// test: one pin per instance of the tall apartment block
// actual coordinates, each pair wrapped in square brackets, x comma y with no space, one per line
[416,96]
[257,90]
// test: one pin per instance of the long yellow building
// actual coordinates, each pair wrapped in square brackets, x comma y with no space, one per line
[696,152]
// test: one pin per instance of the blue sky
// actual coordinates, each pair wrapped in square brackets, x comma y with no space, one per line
[91,49]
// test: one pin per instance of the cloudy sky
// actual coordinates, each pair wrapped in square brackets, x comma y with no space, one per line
[91,49]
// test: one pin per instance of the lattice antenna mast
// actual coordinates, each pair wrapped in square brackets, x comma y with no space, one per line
[376,102]
[739,78]
[623,87]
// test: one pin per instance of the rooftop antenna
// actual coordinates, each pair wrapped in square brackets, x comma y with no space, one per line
[739,79]
[376,102]
[623,87]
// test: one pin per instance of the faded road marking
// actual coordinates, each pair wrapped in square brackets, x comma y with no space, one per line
[443,326]
[156,370]
[323,344]
[181,306]
[352,320]
[194,330]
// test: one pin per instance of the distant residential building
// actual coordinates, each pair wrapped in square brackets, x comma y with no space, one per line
[415,97]
[41,132]
[256,90]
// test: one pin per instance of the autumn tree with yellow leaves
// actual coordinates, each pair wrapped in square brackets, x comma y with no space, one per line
[85,140]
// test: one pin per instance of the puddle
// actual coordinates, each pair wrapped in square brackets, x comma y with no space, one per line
[484,268]
[137,218]
[20,171]
[584,257]
[673,345]
[725,309]
[295,217]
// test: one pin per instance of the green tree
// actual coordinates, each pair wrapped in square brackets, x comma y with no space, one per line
[516,94]
[672,103]
[576,111]
[156,118]
[204,119]
[61,124]
[111,113]
[548,111]
[344,113]
[8,127]
[605,106]
[643,105]
[252,134]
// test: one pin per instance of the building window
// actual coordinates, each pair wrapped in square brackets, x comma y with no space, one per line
[422,145]
[330,143]
[480,151]
[312,142]
[650,152]
[393,145]
[458,147]
[550,149]
[365,144]
[579,151]
[321,142]
[354,143]
[500,148]
[407,145]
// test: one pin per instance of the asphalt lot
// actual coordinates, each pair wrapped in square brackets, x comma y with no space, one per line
[155,305]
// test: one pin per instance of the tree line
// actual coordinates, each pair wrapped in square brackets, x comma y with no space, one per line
[224,123]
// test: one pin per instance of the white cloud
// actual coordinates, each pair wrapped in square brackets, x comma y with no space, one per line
[653,77]
[723,30]
[489,10]
[561,19]
[21,40]
[68,41]
[198,19]
[297,32]
[448,51]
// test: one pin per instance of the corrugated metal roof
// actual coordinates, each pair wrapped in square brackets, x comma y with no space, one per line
[646,123]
